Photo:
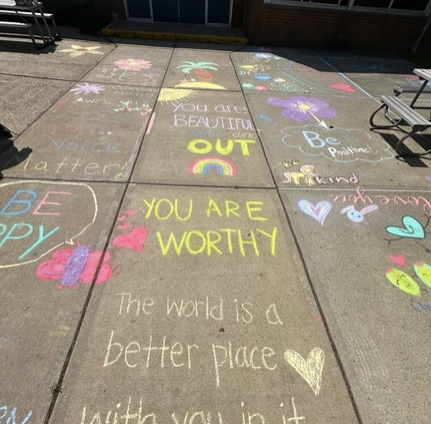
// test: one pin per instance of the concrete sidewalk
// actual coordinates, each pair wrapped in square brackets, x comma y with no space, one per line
[210,234]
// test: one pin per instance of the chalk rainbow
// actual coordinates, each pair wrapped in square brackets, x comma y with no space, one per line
[207,164]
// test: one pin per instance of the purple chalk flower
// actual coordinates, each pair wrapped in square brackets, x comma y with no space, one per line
[301,108]
[88,88]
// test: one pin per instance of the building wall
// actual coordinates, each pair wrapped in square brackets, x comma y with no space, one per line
[284,26]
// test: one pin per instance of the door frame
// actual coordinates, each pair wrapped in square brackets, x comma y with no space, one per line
[228,25]
[151,19]
[129,18]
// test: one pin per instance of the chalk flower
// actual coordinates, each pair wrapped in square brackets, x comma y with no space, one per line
[263,55]
[76,50]
[300,108]
[88,88]
[133,64]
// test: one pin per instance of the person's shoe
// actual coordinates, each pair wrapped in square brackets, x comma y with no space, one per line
[5,130]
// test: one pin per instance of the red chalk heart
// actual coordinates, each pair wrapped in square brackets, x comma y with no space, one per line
[133,241]
[399,260]
[343,87]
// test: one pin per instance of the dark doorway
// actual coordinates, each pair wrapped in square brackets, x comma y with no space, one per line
[139,9]
[165,11]
[219,11]
[192,12]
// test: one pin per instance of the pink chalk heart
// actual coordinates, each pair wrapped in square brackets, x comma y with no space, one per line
[428,178]
[123,227]
[318,212]
[398,259]
[131,213]
[133,241]
[343,87]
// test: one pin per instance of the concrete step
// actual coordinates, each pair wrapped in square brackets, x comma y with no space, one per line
[176,32]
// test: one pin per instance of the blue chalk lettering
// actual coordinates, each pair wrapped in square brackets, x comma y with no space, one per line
[58,147]
[311,136]
[12,417]
[40,240]
[25,202]
[4,410]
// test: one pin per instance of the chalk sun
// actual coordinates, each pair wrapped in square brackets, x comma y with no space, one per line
[200,84]
[173,95]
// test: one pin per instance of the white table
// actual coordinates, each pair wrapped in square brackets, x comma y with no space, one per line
[425,75]
[36,8]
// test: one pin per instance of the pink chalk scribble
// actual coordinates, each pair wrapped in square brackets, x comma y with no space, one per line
[75,265]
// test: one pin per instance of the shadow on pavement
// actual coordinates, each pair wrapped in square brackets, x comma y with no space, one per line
[10,156]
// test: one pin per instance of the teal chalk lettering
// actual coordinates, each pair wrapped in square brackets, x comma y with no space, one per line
[39,241]
[9,235]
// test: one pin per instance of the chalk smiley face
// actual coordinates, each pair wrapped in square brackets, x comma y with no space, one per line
[403,281]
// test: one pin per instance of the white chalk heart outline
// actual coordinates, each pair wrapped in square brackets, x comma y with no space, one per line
[311,369]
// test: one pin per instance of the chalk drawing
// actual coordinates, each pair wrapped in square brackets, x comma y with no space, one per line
[288,164]
[133,65]
[336,144]
[318,212]
[302,109]
[28,204]
[130,106]
[343,87]
[307,176]
[77,51]
[151,123]
[306,173]
[423,271]
[412,229]
[358,216]
[75,265]
[304,75]
[311,369]
[124,226]
[200,69]
[61,331]
[88,88]
[261,116]
[11,418]
[403,281]
[398,259]
[133,241]
[173,95]
[200,84]
[207,164]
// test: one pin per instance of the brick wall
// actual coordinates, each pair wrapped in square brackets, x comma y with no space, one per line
[283,26]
